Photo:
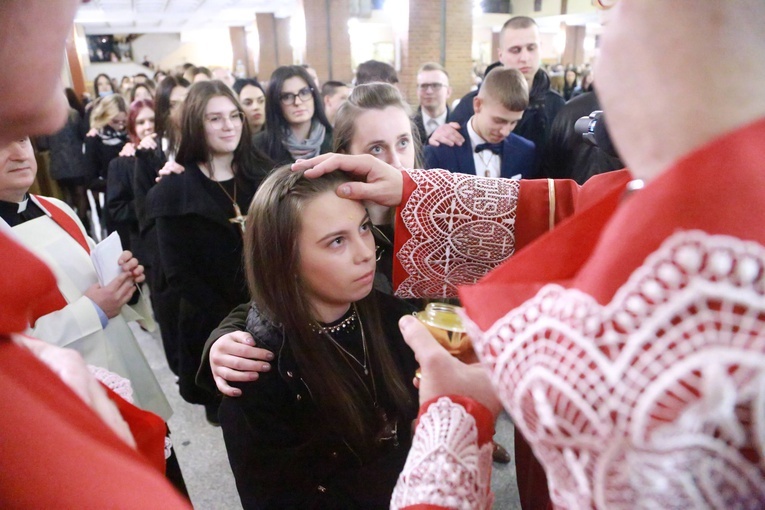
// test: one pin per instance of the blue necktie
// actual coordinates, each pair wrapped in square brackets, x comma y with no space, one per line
[496,148]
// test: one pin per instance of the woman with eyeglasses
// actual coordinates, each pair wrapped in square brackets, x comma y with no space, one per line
[199,217]
[296,126]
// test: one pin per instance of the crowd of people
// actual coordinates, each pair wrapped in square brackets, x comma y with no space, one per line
[286,231]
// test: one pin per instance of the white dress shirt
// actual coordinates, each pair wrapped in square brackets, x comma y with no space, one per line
[487,164]
[432,123]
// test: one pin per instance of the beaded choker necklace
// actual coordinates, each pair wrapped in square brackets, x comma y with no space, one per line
[347,324]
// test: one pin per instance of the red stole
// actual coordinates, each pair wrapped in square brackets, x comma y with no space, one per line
[54,301]
[64,221]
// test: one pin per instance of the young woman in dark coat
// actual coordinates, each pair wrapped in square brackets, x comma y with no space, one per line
[330,425]
[119,196]
[199,221]
[171,94]
[296,127]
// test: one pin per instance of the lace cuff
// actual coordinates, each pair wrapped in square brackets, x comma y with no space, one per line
[452,229]
[449,464]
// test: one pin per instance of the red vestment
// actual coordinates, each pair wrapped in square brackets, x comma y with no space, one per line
[55,452]
[628,344]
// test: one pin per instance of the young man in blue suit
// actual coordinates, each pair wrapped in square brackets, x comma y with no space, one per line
[493,150]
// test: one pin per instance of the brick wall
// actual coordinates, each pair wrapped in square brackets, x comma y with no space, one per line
[423,44]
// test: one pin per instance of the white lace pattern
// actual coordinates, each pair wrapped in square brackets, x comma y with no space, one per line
[115,382]
[445,466]
[124,389]
[461,227]
[654,400]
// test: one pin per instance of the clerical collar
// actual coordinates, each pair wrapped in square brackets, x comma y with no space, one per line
[16,207]
[15,213]
[23,204]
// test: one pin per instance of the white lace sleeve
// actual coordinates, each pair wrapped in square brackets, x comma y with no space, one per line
[655,399]
[446,467]
[114,382]
[461,227]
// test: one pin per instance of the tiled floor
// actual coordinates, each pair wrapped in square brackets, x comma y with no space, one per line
[202,455]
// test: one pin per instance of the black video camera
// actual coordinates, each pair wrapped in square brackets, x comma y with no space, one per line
[594,130]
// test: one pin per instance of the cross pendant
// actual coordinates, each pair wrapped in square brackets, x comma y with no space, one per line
[239,219]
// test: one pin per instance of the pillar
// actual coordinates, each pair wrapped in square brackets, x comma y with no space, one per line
[574,52]
[241,51]
[494,46]
[328,47]
[75,66]
[275,49]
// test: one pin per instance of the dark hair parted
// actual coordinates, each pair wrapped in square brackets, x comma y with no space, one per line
[148,85]
[162,123]
[508,87]
[95,84]
[248,161]
[272,263]
[241,83]
[370,96]
[275,120]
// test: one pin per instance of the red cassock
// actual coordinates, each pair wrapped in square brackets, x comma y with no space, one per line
[55,452]
[627,344]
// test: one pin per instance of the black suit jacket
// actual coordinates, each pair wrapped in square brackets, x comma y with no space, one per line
[418,122]
[518,157]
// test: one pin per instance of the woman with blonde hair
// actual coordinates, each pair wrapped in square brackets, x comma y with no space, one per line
[107,136]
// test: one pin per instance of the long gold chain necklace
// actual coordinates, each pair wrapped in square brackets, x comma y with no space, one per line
[238,219]
[345,352]
[389,429]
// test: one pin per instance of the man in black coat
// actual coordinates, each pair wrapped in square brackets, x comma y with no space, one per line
[519,49]
[568,155]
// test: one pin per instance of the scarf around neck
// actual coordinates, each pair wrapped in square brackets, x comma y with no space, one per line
[308,148]
[110,136]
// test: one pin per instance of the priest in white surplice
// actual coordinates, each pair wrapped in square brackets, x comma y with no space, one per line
[86,317]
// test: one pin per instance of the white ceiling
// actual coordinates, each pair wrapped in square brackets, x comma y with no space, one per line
[170,16]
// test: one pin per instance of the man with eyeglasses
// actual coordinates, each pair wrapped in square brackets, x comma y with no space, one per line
[433,91]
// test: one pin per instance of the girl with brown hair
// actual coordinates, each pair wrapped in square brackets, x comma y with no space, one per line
[330,426]
[199,222]
[374,120]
